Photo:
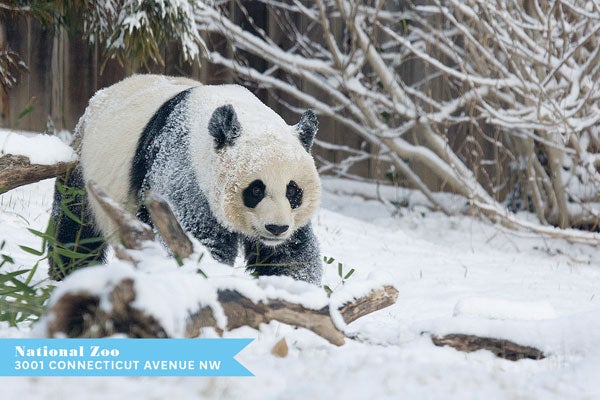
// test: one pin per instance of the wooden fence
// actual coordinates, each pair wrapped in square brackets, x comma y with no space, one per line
[65,71]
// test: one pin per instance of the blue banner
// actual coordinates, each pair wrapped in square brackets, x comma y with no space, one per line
[121,357]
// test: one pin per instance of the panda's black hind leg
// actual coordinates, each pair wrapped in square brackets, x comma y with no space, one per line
[76,241]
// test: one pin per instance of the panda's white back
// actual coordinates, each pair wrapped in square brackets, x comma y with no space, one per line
[110,129]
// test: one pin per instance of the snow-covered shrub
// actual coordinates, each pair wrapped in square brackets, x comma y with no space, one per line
[11,66]
[136,29]
[133,31]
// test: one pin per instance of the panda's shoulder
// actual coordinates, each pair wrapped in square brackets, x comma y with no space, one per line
[250,110]
[223,94]
[141,88]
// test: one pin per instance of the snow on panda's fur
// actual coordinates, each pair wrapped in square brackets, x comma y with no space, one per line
[234,172]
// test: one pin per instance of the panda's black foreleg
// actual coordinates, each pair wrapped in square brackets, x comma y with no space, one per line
[76,241]
[298,257]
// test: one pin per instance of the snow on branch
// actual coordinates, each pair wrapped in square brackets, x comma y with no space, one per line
[27,157]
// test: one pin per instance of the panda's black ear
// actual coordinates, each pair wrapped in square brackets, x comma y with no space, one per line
[307,128]
[224,126]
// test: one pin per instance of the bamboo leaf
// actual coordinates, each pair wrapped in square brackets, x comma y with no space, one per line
[349,274]
[29,250]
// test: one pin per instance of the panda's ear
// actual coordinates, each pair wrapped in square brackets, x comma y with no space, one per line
[224,126]
[307,128]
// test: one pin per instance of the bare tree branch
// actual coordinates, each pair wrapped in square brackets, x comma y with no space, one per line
[17,171]
[514,72]
[132,232]
[165,221]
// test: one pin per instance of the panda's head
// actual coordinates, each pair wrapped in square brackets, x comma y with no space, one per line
[268,185]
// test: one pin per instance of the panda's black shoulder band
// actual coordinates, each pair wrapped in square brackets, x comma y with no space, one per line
[145,152]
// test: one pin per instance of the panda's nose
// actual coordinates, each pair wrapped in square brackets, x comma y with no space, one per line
[276,229]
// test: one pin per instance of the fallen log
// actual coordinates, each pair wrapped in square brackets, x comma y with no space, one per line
[500,347]
[17,171]
[78,314]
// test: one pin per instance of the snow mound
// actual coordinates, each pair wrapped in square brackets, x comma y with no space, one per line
[504,309]
[39,148]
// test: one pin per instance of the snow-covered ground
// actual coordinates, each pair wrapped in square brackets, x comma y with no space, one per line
[454,274]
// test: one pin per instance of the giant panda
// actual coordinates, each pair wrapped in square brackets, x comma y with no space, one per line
[236,175]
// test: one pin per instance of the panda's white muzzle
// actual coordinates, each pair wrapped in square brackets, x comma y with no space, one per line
[277,234]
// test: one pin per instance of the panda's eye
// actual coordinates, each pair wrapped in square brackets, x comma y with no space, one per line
[254,193]
[294,194]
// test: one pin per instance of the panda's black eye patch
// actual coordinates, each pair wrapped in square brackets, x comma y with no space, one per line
[254,193]
[294,194]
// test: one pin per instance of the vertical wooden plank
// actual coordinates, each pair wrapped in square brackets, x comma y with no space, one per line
[80,78]
[39,79]
[17,37]
[57,76]
[112,72]
[4,107]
